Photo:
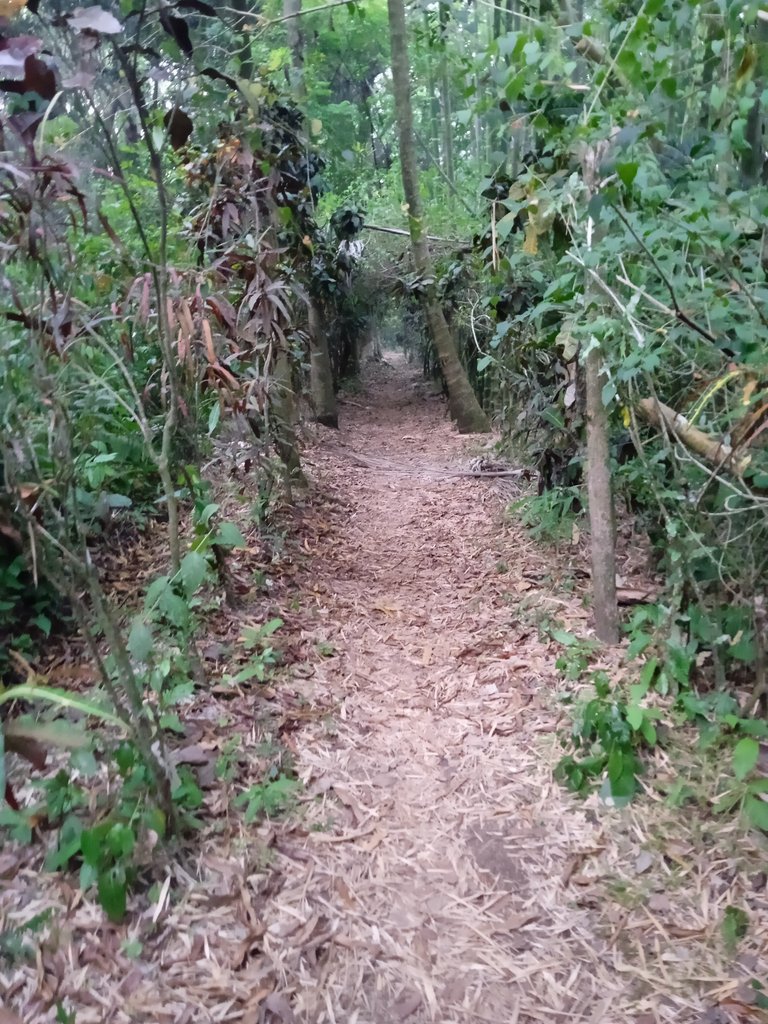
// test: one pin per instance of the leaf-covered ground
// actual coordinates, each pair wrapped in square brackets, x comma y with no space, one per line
[432,870]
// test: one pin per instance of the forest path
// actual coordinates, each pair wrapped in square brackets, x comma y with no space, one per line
[432,872]
[445,877]
[439,870]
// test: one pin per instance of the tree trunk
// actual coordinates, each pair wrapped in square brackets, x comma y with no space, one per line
[462,401]
[320,372]
[295,40]
[602,522]
[446,111]
[244,51]
[284,417]
[753,162]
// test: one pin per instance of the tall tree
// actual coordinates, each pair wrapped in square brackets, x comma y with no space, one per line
[462,401]
[602,518]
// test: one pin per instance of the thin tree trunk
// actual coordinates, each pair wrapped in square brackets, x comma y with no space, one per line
[284,417]
[320,372]
[433,137]
[602,522]
[753,162]
[445,98]
[244,51]
[295,40]
[462,401]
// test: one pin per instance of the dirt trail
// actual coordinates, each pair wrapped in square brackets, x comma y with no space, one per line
[446,841]
[434,873]
[453,880]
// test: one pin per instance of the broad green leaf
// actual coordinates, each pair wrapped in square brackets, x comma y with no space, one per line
[627,172]
[648,729]
[51,695]
[253,670]
[140,640]
[121,841]
[155,591]
[174,608]
[649,673]
[566,639]
[745,755]
[192,571]
[757,812]
[635,716]
[113,893]
[717,97]
[119,501]
[734,927]
[504,226]
[92,846]
[229,536]
[483,363]
[208,511]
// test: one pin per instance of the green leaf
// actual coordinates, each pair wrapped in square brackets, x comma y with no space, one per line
[29,691]
[648,729]
[627,172]
[734,927]
[119,501]
[92,846]
[609,392]
[618,792]
[70,836]
[757,812]
[208,511]
[271,626]
[192,571]
[504,225]
[253,669]
[213,417]
[484,363]
[229,536]
[717,97]
[635,716]
[745,755]
[113,893]
[175,608]
[155,591]
[566,639]
[638,645]
[649,673]
[121,841]
[140,640]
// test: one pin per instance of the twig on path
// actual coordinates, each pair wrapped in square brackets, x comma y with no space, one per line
[347,837]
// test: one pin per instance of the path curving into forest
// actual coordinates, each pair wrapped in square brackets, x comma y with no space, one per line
[433,872]
[444,876]
[439,868]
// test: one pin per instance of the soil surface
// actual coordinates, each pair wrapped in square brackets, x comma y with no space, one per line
[432,870]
